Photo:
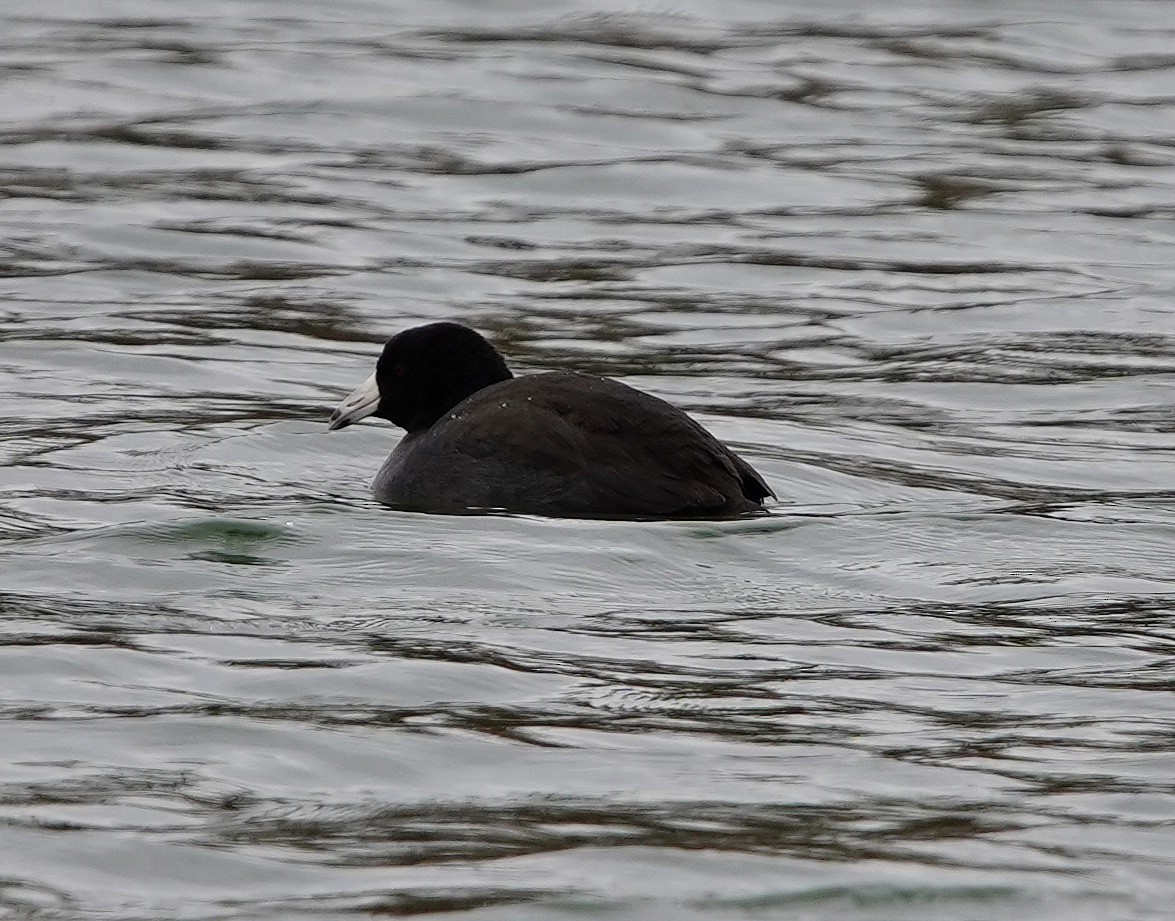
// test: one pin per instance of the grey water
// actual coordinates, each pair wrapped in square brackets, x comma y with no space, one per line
[912,260]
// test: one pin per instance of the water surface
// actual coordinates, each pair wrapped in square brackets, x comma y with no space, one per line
[914,262]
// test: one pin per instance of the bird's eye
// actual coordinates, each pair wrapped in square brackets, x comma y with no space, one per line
[398,369]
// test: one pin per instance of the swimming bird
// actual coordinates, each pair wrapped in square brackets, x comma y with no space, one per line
[562,444]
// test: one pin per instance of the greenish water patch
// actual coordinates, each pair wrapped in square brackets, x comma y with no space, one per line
[230,532]
[235,541]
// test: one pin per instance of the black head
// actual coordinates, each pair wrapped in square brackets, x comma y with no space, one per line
[423,373]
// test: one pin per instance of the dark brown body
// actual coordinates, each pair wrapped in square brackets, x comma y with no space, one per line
[570,445]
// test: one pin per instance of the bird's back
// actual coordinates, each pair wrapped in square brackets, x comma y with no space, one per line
[569,444]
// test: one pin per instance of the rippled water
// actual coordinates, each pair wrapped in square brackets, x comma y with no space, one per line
[915,263]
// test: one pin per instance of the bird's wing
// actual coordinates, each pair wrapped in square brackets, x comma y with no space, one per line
[610,446]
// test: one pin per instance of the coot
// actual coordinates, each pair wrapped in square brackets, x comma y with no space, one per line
[562,444]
